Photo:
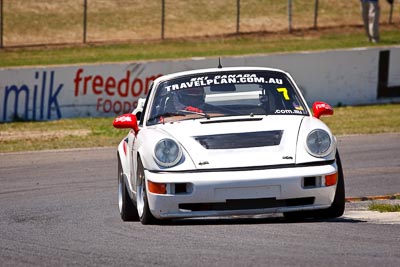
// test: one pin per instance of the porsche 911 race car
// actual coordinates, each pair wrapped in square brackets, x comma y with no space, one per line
[227,141]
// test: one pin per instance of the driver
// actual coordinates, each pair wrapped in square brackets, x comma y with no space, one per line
[191,99]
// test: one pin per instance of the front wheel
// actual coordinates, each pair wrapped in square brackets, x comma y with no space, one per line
[141,197]
[337,207]
[127,209]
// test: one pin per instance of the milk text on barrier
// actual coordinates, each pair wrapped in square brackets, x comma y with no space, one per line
[37,100]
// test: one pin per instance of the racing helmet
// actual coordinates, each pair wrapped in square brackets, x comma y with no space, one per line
[194,97]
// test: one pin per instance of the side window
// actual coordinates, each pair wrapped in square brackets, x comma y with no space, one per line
[145,106]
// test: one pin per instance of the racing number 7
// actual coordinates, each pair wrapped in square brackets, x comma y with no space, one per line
[284,92]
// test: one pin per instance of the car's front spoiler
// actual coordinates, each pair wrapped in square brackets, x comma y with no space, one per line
[215,190]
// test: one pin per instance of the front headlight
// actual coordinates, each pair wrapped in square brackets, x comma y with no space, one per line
[167,153]
[318,143]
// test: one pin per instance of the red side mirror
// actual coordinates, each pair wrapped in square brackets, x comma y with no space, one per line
[321,109]
[126,121]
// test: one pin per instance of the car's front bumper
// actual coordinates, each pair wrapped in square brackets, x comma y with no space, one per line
[244,192]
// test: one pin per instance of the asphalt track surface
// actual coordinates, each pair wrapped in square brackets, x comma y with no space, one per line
[59,208]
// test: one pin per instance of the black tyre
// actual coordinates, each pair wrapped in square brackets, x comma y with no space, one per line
[337,207]
[142,203]
[126,207]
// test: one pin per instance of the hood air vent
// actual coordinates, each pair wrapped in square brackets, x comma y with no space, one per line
[240,140]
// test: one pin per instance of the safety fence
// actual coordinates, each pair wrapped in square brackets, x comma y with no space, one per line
[47,22]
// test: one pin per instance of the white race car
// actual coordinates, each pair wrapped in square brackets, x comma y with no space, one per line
[227,141]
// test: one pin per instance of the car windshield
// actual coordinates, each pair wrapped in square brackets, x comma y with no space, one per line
[209,95]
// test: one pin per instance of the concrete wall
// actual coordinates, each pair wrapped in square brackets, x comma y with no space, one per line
[339,77]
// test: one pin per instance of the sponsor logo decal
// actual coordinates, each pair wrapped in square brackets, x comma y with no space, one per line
[223,79]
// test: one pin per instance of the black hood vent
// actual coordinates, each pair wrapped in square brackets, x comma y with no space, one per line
[240,140]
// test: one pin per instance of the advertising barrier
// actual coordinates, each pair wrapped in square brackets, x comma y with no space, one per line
[339,77]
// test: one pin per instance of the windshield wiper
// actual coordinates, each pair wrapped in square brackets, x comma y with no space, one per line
[197,113]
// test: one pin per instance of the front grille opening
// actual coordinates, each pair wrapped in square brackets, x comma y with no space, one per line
[247,204]
[180,188]
[312,182]
[309,182]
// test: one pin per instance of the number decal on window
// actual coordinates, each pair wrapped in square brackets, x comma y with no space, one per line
[284,92]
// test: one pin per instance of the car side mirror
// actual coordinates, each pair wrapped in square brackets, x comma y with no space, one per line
[126,121]
[321,109]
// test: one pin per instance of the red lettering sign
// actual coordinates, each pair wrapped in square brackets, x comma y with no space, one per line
[110,86]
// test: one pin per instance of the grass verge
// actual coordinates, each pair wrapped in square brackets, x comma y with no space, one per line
[59,134]
[228,45]
[98,132]
[364,119]
[384,207]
